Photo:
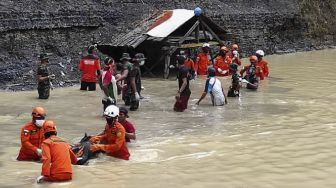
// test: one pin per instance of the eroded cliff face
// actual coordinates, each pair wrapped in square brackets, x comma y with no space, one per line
[64,28]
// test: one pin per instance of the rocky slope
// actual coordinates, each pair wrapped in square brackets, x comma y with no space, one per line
[64,28]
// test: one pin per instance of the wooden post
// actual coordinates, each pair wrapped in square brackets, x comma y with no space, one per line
[167,64]
[206,39]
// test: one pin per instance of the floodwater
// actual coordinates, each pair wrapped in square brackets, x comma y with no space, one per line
[282,135]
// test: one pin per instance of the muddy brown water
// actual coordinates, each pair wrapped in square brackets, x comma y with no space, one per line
[283,135]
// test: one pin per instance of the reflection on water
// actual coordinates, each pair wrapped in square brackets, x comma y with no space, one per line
[279,136]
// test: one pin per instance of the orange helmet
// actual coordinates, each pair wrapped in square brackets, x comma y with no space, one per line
[49,126]
[253,58]
[224,48]
[234,47]
[38,112]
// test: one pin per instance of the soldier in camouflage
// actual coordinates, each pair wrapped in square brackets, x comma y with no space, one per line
[43,78]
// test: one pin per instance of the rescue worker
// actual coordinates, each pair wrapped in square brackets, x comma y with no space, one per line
[129,127]
[113,136]
[213,86]
[234,54]
[107,83]
[126,75]
[236,81]
[32,136]
[203,60]
[134,82]
[252,73]
[190,64]
[43,78]
[90,67]
[222,62]
[57,156]
[262,63]
[183,93]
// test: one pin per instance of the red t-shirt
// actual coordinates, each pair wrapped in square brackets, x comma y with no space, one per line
[89,65]
[129,128]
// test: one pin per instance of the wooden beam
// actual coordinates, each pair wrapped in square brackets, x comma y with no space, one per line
[206,39]
[210,30]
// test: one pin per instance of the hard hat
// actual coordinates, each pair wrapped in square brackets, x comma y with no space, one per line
[253,58]
[206,45]
[38,112]
[49,126]
[111,111]
[234,47]
[224,48]
[260,52]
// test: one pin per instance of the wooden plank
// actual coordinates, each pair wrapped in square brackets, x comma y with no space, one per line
[197,45]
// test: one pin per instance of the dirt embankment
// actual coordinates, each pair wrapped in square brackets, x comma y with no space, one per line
[64,28]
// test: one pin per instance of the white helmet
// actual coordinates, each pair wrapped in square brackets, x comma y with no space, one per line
[260,52]
[206,45]
[111,111]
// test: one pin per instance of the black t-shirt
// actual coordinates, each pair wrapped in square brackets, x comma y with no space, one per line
[135,72]
[184,73]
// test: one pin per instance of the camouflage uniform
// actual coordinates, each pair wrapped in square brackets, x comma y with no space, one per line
[43,86]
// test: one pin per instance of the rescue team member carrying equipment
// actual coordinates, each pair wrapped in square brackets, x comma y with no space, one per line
[90,66]
[234,54]
[113,136]
[57,156]
[32,136]
[253,73]
[214,87]
[263,64]
[43,78]
[203,60]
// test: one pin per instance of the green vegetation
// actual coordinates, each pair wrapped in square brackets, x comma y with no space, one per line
[320,15]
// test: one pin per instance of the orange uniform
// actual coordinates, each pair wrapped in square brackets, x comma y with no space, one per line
[202,63]
[31,140]
[189,63]
[222,63]
[89,65]
[259,72]
[114,137]
[57,157]
[264,66]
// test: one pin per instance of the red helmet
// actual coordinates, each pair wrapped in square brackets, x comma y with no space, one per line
[234,47]
[38,112]
[49,126]
[253,58]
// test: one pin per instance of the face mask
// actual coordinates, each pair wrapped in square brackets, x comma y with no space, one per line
[39,122]
[142,63]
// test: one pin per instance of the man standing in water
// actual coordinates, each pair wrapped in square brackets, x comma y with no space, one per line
[113,136]
[203,60]
[57,156]
[90,67]
[43,78]
[253,73]
[183,93]
[129,127]
[236,79]
[32,136]
[214,87]
[263,64]
[107,83]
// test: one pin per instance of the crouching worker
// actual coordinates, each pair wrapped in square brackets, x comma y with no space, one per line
[113,136]
[214,87]
[32,137]
[57,156]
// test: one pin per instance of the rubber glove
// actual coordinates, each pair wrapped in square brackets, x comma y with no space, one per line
[219,70]
[111,100]
[96,147]
[39,152]
[39,179]
[137,96]
[224,72]
[171,66]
